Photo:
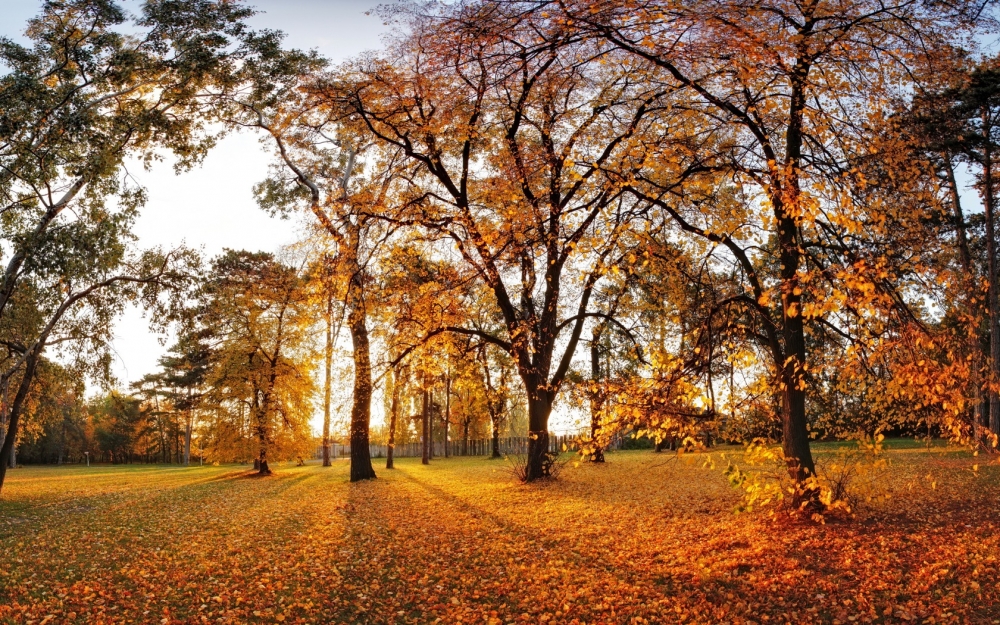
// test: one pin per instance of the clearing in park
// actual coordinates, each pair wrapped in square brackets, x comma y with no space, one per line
[645,538]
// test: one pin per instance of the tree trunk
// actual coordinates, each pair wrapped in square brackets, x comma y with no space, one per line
[425,437]
[328,363]
[993,305]
[361,460]
[980,410]
[961,229]
[795,433]
[260,463]
[790,362]
[187,439]
[465,437]
[447,410]
[7,453]
[430,424]
[62,441]
[496,439]
[539,407]
[596,399]
[393,410]
[495,404]
[259,410]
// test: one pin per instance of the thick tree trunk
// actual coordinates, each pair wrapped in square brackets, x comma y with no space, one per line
[465,437]
[260,463]
[361,460]
[795,432]
[328,364]
[785,197]
[539,407]
[7,453]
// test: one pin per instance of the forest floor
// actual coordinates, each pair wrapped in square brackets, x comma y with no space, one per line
[645,538]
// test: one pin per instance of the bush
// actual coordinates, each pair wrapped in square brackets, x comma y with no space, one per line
[851,478]
[551,465]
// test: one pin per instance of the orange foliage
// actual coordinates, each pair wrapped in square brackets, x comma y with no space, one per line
[644,539]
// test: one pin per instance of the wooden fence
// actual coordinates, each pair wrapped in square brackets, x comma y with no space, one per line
[509,446]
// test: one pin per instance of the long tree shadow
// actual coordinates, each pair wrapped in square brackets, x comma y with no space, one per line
[422,532]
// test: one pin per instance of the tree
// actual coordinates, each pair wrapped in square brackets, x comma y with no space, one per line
[323,279]
[258,308]
[154,397]
[72,107]
[508,138]
[394,383]
[322,169]
[959,122]
[497,394]
[79,318]
[184,374]
[118,422]
[792,91]
[55,428]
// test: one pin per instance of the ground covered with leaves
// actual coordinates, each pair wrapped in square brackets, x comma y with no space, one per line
[645,538]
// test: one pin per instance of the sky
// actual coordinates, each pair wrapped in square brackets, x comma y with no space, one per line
[212,207]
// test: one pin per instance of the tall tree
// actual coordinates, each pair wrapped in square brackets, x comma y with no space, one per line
[259,310]
[73,106]
[325,169]
[325,282]
[184,374]
[793,89]
[509,138]
[958,121]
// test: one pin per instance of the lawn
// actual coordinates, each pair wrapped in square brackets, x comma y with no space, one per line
[646,538]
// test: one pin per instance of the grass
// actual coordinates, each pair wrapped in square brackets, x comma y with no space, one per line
[646,538]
